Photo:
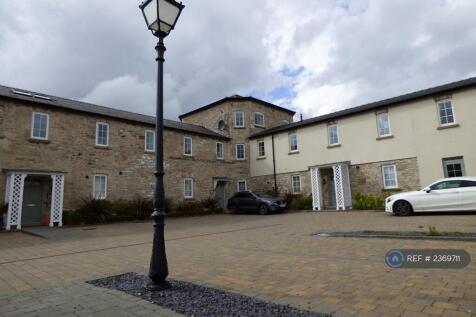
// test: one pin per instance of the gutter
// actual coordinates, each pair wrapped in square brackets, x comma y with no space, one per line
[274,167]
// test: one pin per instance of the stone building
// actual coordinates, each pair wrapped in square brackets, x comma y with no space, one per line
[54,152]
[57,152]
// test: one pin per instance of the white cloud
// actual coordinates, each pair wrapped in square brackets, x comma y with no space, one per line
[352,51]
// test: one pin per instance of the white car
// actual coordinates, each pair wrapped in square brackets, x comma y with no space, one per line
[449,194]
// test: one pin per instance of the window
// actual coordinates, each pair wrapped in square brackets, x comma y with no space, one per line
[239,119]
[219,150]
[149,140]
[383,124]
[296,182]
[453,167]
[259,119]
[39,126]
[188,188]
[240,152]
[468,183]
[242,185]
[389,176]
[445,112]
[100,187]
[293,144]
[102,134]
[446,185]
[187,146]
[261,149]
[333,134]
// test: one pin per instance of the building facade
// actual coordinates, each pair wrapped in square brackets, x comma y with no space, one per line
[56,152]
[399,144]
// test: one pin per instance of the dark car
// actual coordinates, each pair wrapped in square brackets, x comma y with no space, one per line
[249,201]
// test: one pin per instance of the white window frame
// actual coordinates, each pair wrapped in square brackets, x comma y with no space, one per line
[153,140]
[184,187]
[97,134]
[329,134]
[243,116]
[290,144]
[258,148]
[394,167]
[184,146]
[452,110]
[105,186]
[222,151]
[254,119]
[236,152]
[300,184]
[388,121]
[238,185]
[33,125]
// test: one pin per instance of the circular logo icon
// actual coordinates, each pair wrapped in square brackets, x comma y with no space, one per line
[394,258]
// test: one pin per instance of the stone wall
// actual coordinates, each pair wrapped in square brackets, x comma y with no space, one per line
[71,149]
[284,182]
[367,178]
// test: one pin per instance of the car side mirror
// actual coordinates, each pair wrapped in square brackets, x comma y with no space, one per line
[428,190]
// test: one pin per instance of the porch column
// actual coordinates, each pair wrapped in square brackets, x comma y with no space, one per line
[16,184]
[339,186]
[316,188]
[57,189]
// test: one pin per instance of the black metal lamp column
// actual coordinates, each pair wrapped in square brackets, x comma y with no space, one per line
[161,17]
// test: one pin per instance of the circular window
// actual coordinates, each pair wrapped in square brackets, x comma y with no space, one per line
[221,125]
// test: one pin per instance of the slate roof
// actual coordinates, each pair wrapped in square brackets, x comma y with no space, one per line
[434,91]
[237,98]
[74,105]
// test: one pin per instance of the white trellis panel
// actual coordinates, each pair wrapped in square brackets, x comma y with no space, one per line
[339,188]
[316,189]
[346,186]
[15,200]
[57,190]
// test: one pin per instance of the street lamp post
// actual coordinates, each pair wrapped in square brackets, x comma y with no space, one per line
[160,17]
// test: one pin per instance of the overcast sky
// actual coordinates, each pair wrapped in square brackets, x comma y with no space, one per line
[311,56]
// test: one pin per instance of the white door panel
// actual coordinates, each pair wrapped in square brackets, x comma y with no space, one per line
[468,198]
[442,200]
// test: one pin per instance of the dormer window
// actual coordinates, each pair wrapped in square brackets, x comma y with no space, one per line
[446,112]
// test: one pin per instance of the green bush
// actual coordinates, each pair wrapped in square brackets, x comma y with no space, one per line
[299,202]
[202,207]
[94,210]
[369,202]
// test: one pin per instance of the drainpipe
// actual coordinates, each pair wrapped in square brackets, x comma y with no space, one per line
[274,166]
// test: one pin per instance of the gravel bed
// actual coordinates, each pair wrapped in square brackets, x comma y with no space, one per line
[199,301]
[421,235]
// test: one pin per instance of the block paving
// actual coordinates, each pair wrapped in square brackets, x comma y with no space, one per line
[271,257]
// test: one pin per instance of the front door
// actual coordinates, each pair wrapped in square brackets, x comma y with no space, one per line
[32,203]
[220,194]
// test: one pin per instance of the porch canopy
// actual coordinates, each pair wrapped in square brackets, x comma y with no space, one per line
[343,198]
[14,189]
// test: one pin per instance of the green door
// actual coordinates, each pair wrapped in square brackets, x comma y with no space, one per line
[32,203]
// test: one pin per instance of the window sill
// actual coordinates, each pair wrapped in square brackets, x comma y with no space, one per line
[149,152]
[334,145]
[392,189]
[220,159]
[187,155]
[44,141]
[384,137]
[293,152]
[448,126]
[102,147]
[240,127]
[240,160]
[261,158]
[259,126]
[188,198]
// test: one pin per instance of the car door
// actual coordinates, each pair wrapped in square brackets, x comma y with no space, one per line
[468,195]
[248,201]
[444,196]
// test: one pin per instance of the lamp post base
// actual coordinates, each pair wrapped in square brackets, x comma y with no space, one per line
[158,286]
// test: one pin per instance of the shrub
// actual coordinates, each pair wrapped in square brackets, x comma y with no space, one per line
[94,210]
[372,202]
[202,207]
[302,202]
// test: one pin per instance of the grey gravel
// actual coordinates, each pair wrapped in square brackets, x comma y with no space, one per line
[196,300]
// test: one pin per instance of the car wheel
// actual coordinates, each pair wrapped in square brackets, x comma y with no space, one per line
[402,208]
[263,209]
[233,209]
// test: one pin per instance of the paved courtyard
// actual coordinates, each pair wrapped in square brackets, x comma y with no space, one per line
[270,257]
